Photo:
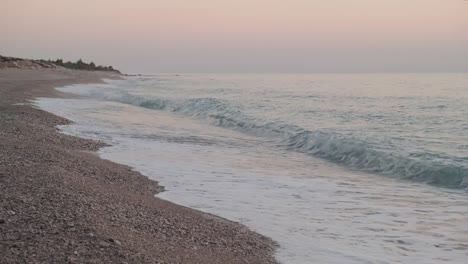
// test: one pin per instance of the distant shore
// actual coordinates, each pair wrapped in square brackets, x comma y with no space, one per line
[20,63]
[59,203]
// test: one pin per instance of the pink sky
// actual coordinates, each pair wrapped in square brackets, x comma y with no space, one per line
[242,36]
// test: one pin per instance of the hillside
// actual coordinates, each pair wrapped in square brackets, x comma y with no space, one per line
[20,63]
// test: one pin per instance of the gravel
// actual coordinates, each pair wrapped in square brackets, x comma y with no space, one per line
[59,203]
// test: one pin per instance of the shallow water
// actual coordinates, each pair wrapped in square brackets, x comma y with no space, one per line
[314,161]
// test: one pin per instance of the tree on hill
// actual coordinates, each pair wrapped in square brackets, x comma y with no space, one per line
[81,65]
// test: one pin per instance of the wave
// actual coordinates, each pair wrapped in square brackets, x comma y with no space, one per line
[345,150]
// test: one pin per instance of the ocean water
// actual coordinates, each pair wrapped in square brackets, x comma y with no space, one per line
[336,168]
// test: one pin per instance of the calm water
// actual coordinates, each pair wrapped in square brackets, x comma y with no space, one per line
[335,168]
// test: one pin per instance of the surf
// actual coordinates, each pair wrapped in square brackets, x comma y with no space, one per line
[449,172]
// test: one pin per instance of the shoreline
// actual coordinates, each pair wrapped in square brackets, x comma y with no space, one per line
[61,204]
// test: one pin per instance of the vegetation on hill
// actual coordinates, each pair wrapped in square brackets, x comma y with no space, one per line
[12,62]
[81,65]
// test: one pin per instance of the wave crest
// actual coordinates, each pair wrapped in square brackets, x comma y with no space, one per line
[334,147]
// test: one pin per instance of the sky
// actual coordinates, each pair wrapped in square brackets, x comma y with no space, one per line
[246,36]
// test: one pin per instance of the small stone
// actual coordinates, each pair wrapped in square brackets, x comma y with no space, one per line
[103,244]
[117,243]
[11,212]
[90,234]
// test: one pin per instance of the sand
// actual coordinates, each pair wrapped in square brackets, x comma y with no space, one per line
[59,203]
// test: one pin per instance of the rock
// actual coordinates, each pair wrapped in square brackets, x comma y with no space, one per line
[11,212]
[115,241]
[104,244]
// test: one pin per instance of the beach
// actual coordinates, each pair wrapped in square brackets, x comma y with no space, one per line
[326,165]
[61,203]
[271,132]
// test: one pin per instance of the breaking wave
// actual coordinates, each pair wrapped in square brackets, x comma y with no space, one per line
[358,154]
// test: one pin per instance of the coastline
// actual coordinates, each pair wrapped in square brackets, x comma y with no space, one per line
[61,204]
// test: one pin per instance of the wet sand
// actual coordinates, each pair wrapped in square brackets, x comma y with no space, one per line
[59,203]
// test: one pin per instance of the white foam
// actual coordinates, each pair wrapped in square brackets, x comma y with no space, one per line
[317,212]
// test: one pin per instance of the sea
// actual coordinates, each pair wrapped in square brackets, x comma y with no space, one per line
[336,168]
